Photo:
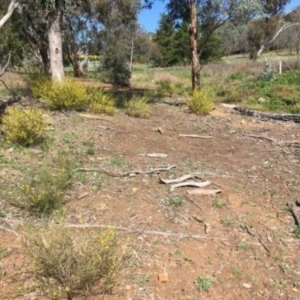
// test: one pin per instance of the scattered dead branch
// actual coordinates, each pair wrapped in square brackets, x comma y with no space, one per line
[203,192]
[128,173]
[197,205]
[189,183]
[267,116]
[260,137]
[179,235]
[196,136]
[159,155]
[264,245]
[182,178]
[10,230]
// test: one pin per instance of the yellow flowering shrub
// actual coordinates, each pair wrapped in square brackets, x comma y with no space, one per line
[138,107]
[24,126]
[68,262]
[100,102]
[201,102]
[69,94]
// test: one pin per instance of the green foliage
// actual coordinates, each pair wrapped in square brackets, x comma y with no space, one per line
[114,66]
[24,126]
[69,94]
[68,263]
[137,107]
[165,39]
[267,74]
[165,88]
[201,102]
[175,201]
[203,283]
[212,49]
[44,192]
[101,102]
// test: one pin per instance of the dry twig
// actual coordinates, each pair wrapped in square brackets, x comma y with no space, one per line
[196,136]
[179,235]
[124,174]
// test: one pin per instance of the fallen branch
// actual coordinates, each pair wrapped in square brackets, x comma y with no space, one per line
[136,172]
[196,136]
[147,232]
[260,137]
[159,155]
[190,183]
[295,144]
[191,200]
[203,192]
[180,179]
[10,230]
[268,116]
[264,245]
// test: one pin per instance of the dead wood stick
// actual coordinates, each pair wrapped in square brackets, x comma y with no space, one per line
[203,192]
[159,155]
[189,183]
[290,143]
[10,230]
[182,178]
[148,232]
[191,200]
[264,245]
[260,137]
[102,170]
[196,136]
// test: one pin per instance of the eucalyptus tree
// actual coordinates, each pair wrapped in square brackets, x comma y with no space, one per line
[210,15]
[119,25]
[264,30]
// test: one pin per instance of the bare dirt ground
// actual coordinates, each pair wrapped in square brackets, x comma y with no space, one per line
[242,239]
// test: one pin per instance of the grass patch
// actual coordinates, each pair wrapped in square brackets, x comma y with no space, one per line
[203,283]
[44,192]
[175,201]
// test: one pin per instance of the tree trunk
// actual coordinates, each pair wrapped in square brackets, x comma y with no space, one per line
[55,41]
[44,57]
[193,45]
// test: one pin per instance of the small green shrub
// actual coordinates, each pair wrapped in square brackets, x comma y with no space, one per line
[69,94]
[44,193]
[138,107]
[267,74]
[201,102]
[100,102]
[203,283]
[175,201]
[165,88]
[67,263]
[24,126]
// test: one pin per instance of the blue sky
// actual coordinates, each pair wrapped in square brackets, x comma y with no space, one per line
[148,18]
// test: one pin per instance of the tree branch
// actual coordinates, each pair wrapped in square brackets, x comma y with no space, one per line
[13,4]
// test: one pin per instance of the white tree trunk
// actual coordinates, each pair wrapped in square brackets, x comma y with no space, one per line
[55,43]
[13,4]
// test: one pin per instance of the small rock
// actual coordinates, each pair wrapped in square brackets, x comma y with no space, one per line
[261,100]
[244,122]
[163,277]
[247,285]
